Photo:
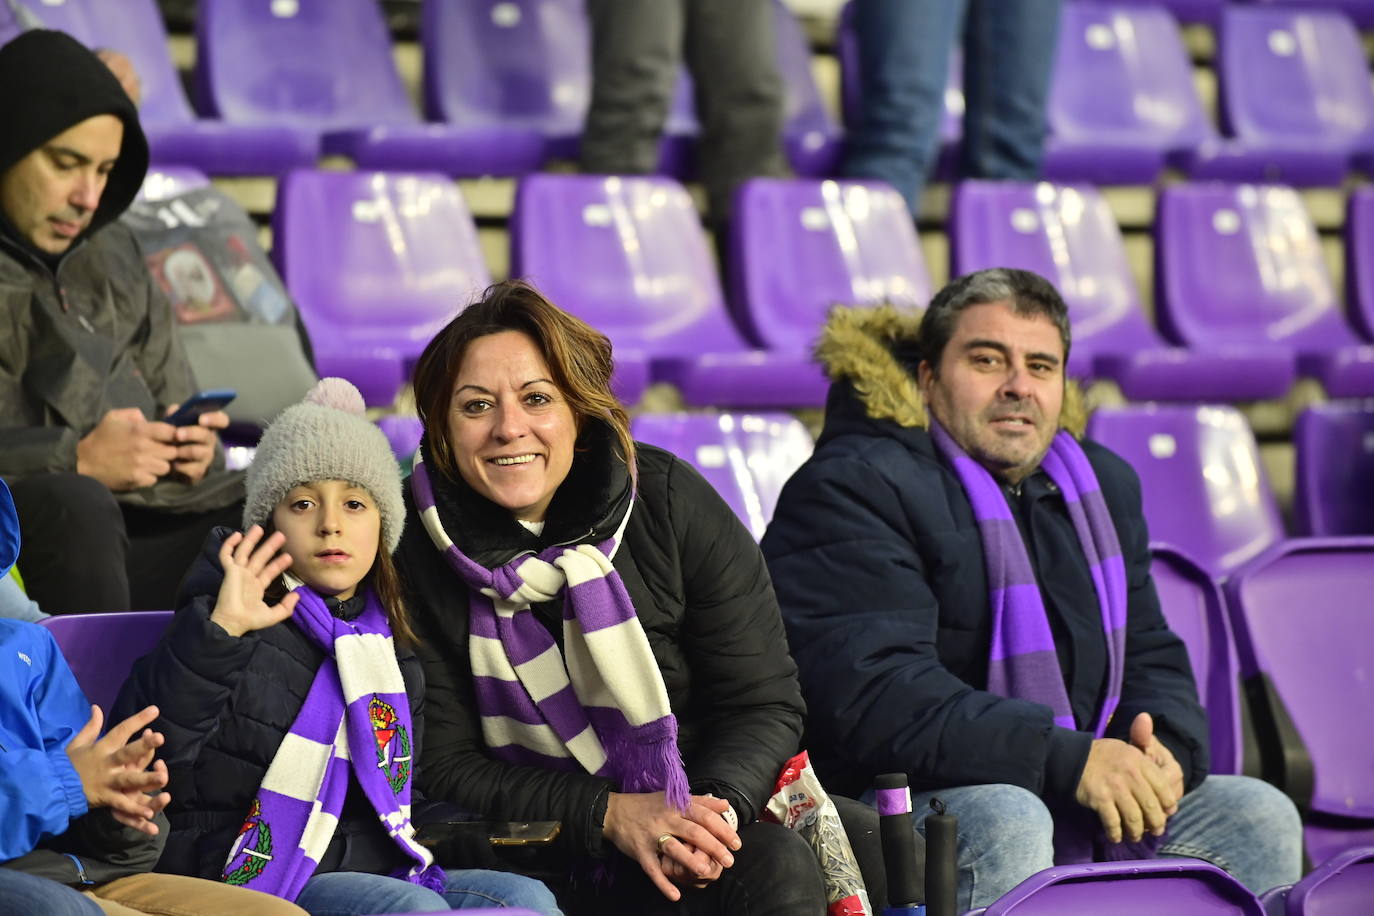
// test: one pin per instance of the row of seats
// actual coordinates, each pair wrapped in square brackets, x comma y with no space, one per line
[506,85]
[379,261]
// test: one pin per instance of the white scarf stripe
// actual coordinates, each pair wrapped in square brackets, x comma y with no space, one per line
[430,518]
[319,830]
[502,730]
[586,748]
[367,665]
[543,675]
[297,769]
[585,564]
[640,702]
[541,580]
[489,658]
[587,682]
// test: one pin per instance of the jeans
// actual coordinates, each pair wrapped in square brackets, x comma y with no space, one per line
[904,48]
[27,895]
[1006,834]
[344,893]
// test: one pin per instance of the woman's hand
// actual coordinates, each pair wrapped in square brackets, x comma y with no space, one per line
[698,842]
[248,572]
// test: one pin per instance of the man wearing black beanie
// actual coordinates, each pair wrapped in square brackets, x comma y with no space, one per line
[110,498]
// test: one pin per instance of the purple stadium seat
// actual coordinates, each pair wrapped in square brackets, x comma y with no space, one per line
[403,433]
[1362,11]
[799,247]
[503,65]
[377,264]
[1069,235]
[1295,94]
[746,457]
[1196,610]
[101,648]
[1303,634]
[1205,11]
[251,70]
[1242,264]
[164,181]
[951,121]
[1202,483]
[1340,885]
[1133,888]
[1359,259]
[628,255]
[1122,96]
[175,135]
[810,135]
[1334,443]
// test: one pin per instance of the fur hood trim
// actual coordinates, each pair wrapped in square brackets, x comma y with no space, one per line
[862,345]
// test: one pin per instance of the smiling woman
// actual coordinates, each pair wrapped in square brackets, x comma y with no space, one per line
[591,615]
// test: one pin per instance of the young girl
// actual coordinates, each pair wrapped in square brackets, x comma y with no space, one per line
[291,701]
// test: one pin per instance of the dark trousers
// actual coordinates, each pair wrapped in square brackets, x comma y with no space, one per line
[775,874]
[728,45]
[83,552]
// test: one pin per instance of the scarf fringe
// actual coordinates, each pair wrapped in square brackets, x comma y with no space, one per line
[432,877]
[648,760]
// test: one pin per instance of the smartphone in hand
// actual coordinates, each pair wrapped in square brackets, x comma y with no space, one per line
[202,402]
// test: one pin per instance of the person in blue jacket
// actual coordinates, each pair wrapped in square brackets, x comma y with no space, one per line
[75,809]
[966,588]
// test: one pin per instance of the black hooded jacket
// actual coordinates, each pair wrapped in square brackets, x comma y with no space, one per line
[87,331]
[878,564]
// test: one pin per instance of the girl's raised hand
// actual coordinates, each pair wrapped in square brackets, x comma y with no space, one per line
[249,569]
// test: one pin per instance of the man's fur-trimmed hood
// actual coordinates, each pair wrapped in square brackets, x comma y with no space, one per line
[876,349]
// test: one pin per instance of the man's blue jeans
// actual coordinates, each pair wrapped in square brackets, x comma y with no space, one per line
[356,894]
[1006,834]
[21,893]
[904,48]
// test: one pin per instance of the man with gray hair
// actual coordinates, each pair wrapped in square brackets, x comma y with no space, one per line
[967,592]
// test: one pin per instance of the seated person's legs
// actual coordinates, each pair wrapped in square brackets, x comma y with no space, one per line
[1242,825]
[73,558]
[34,896]
[775,874]
[476,888]
[346,893]
[157,894]
[1006,834]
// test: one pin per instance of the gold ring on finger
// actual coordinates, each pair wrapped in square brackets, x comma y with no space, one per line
[663,839]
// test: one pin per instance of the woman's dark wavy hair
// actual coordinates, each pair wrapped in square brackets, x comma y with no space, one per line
[578,357]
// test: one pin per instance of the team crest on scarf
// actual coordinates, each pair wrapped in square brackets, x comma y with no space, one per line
[391,737]
[252,849]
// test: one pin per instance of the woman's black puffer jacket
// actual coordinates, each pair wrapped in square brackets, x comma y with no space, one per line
[703,596]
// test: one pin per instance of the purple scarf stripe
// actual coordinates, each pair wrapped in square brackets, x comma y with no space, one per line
[523,637]
[605,608]
[1021,636]
[1022,661]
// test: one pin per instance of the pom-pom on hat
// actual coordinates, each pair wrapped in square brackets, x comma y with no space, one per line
[326,437]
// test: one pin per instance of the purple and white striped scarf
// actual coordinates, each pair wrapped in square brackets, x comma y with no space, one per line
[601,706]
[356,718]
[1022,661]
